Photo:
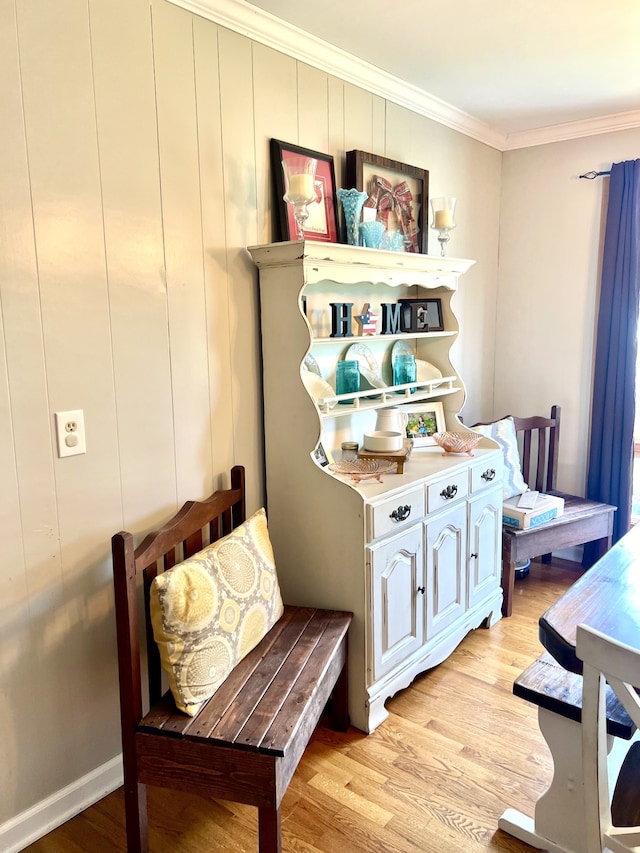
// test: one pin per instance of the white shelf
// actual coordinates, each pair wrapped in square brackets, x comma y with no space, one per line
[364,400]
[402,336]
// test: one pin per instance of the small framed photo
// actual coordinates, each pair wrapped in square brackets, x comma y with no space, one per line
[420,315]
[398,196]
[320,456]
[322,223]
[424,419]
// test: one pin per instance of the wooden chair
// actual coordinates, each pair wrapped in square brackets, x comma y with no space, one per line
[246,741]
[606,661]
[583,520]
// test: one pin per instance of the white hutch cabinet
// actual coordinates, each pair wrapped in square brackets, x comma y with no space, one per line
[415,556]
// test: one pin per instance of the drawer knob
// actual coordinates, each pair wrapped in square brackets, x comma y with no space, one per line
[401,513]
[449,493]
[489,474]
[421,590]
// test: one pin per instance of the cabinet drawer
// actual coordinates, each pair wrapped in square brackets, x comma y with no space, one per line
[395,513]
[487,474]
[447,489]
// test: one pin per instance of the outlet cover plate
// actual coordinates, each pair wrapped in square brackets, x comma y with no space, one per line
[70,433]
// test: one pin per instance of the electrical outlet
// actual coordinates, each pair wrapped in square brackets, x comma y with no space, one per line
[70,433]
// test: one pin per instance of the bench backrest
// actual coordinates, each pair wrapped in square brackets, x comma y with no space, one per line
[196,525]
[538,439]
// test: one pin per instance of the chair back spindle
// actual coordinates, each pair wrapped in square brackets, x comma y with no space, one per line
[539,438]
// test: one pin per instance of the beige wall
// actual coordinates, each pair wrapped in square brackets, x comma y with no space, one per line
[133,173]
[550,257]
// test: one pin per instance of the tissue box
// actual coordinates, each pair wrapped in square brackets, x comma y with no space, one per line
[546,508]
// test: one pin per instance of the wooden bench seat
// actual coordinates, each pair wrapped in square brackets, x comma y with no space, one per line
[547,684]
[245,743]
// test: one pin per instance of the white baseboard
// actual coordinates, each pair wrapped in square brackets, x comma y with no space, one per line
[32,824]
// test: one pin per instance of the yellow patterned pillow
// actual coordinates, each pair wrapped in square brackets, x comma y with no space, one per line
[209,611]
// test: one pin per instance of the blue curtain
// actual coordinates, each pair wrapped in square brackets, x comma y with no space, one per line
[610,477]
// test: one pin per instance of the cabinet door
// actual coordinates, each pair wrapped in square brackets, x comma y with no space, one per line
[446,592]
[485,544]
[397,595]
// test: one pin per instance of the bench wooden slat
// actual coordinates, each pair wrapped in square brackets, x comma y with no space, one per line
[265,654]
[310,677]
[547,684]
[285,681]
[251,691]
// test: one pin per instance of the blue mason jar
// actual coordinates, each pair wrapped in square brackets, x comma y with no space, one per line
[347,379]
[404,370]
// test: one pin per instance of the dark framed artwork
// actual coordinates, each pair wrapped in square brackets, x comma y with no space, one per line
[421,315]
[322,223]
[397,192]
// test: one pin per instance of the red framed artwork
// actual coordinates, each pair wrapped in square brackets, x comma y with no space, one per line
[322,224]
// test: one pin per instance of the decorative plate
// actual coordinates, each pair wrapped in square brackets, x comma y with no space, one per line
[311,364]
[363,469]
[401,348]
[318,388]
[367,364]
[427,372]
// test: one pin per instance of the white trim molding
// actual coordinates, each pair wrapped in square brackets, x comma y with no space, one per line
[248,20]
[241,17]
[573,130]
[53,811]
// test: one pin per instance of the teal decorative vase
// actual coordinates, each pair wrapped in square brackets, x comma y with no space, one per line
[352,202]
[372,233]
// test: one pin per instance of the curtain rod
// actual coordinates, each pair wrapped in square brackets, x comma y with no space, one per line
[590,176]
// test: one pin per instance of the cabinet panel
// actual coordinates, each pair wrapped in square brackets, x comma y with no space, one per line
[485,538]
[397,596]
[446,568]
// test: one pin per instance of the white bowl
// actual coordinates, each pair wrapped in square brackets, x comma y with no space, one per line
[383,441]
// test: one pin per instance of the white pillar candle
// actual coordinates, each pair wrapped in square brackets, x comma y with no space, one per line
[444,219]
[301,187]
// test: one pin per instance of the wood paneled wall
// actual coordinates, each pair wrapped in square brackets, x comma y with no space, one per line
[134,171]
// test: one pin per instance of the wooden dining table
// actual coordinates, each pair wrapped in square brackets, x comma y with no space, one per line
[607,598]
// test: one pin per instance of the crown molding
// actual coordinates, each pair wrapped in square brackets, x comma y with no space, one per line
[248,20]
[573,130]
[260,26]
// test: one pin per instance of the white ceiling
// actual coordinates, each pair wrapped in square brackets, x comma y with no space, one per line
[514,65]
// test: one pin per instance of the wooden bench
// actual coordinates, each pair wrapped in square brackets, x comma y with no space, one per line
[246,741]
[559,822]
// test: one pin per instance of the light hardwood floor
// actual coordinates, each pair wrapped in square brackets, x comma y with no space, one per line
[456,750]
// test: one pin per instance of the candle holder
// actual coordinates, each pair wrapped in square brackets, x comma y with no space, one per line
[299,187]
[443,211]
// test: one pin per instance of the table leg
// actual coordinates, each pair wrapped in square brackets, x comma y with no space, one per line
[559,824]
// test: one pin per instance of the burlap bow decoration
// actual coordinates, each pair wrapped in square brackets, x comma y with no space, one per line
[386,198]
